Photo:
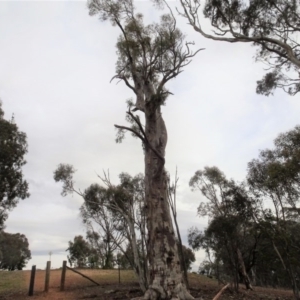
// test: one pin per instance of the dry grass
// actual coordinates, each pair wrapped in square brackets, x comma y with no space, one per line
[196,280]
[12,281]
[14,286]
[73,280]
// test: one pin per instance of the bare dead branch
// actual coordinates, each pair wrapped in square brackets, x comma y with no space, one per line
[221,291]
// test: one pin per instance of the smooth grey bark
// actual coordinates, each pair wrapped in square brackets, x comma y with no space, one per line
[142,276]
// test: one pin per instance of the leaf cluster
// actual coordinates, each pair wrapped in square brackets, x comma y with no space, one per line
[271,25]
[13,147]
[14,249]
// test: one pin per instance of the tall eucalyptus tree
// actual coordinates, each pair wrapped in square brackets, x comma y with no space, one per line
[149,57]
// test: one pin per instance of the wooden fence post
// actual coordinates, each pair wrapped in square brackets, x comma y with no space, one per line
[63,275]
[47,278]
[31,284]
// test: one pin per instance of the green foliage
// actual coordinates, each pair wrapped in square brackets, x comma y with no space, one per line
[91,253]
[64,173]
[13,147]
[224,196]
[126,260]
[15,251]
[261,219]
[276,173]
[148,57]
[80,253]
[188,257]
[110,207]
[270,25]
[101,254]
[274,177]
[231,210]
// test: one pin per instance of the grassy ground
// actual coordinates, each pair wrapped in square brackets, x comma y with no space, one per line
[12,281]
[14,286]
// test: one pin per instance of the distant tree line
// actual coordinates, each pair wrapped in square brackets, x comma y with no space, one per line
[253,235]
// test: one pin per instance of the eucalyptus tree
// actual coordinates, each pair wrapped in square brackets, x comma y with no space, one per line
[271,25]
[101,220]
[275,174]
[274,177]
[13,147]
[93,211]
[126,201]
[79,251]
[14,251]
[230,210]
[115,217]
[149,56]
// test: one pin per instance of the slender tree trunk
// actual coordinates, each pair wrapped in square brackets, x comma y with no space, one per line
[253,273]
[290,273]
[242,269]
[136,257]
[183,265]
[180,248]
[166,278]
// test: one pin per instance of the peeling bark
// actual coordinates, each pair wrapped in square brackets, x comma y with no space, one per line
[166,277]
[150,62]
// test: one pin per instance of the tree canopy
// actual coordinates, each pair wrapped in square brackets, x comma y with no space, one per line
[14,249]
[79,251]
[13,147]
[270,25]
[230,209]
[253,226]
[149,56]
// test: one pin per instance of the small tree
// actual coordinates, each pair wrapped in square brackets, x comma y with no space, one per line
[96,210]
[79,251]
[188,257]
[14,249]
[13,147]
[270,25]
[230,210]
[115,218]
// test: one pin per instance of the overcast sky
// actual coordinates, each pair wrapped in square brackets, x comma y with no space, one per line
[56,63]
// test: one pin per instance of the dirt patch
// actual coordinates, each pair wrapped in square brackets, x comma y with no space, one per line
[122,292]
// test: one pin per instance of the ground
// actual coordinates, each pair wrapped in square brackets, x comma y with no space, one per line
[14,286]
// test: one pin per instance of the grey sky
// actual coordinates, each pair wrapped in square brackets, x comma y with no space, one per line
[56,63]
